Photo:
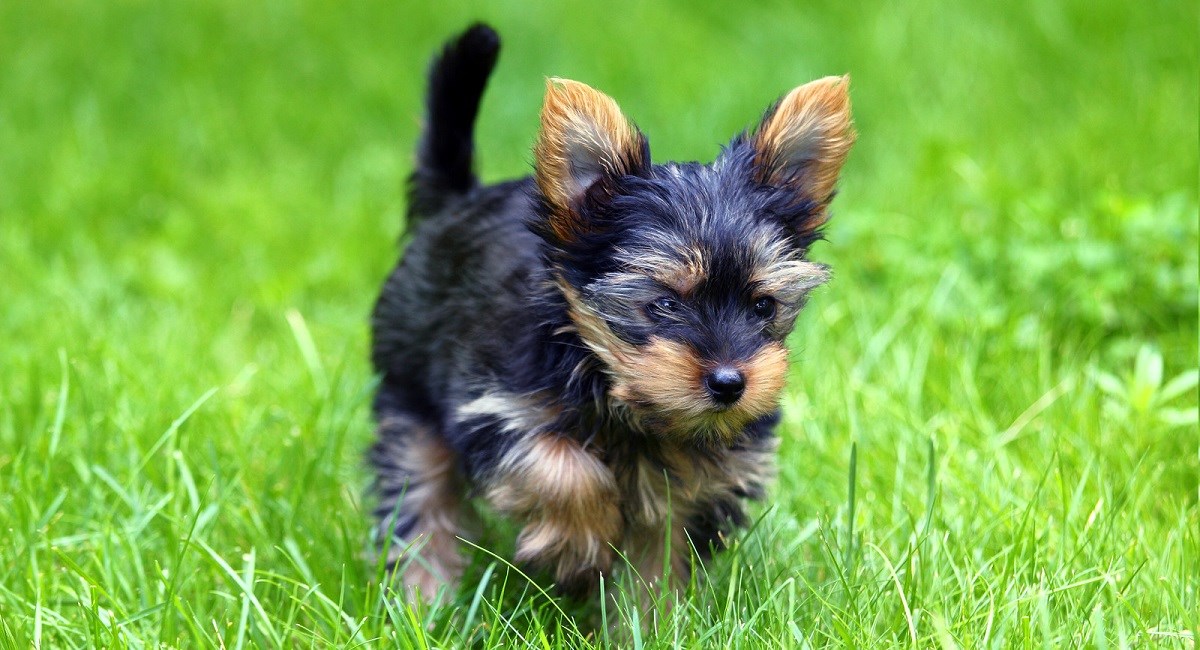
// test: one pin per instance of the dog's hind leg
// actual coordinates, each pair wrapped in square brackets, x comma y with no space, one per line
[421,507]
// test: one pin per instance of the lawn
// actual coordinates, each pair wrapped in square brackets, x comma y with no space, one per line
[990,436]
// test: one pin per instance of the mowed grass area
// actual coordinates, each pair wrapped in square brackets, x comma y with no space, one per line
[990,435]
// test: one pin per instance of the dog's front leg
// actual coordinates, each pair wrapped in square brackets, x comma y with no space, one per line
[567,500]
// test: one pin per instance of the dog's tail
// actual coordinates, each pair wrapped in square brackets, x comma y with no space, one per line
[457,79]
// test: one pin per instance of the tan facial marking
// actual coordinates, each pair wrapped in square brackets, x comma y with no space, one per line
[681,274]
[596,334]
[765,373]
[789,278]
[661,381]
[665,374]
[667,377]
[685,277]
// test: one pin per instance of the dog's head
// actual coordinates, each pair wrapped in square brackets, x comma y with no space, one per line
[685,279]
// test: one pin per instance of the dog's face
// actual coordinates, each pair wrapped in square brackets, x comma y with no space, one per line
[685,279]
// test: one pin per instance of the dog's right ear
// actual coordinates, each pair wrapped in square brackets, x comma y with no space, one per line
[584,140]
[803,142]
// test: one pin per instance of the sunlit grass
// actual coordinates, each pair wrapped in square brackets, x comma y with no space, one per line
[990,435]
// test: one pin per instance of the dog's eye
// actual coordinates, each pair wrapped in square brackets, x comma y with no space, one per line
[662,307]
[764,307]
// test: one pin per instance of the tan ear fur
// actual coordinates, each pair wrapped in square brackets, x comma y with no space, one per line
[805,140]
[584,137]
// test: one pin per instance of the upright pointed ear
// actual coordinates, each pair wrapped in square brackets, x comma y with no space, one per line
[802,143]
[584,139]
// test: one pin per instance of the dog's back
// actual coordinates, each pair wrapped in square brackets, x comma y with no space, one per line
[471,252]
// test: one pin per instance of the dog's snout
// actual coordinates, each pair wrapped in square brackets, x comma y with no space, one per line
[725,384]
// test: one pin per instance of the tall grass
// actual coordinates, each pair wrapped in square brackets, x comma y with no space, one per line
[990,435]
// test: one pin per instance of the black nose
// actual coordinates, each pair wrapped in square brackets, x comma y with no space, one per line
[725,385]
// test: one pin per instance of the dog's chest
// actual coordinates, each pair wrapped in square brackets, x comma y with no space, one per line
[675,482]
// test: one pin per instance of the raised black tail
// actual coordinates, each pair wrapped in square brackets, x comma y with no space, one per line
[457,79]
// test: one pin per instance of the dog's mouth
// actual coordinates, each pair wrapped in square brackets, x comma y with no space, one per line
[680,408]
[671,392]
[718,423]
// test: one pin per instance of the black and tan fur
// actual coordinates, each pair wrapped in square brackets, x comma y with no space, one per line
[596,351]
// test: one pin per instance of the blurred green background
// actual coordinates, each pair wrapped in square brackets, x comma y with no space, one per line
[201,196]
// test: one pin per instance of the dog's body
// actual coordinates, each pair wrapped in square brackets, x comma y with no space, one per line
[596,351]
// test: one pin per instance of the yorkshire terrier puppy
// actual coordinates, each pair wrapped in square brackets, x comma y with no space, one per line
[596,351]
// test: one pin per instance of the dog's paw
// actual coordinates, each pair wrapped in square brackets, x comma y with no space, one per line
[576,551]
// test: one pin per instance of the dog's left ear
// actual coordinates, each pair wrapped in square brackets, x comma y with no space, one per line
[803,142]
[584,140]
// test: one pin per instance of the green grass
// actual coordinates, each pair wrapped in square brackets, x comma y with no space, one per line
[991,434]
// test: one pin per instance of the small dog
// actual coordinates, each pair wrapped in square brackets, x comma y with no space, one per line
[596,351]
